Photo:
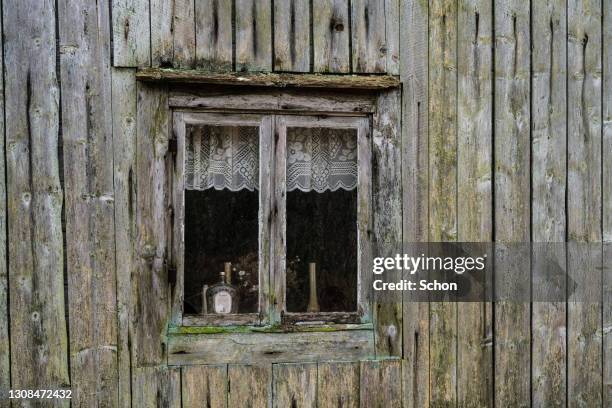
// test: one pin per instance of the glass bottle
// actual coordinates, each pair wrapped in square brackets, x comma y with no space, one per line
[222,298]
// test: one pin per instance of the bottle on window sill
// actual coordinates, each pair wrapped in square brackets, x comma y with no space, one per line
[221,298]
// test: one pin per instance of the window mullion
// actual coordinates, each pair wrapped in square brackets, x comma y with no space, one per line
[278,220]
[266,186]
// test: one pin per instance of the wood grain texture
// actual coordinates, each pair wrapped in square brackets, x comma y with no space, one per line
[584,204]
[149,277]
[607,323]
[131,31]
[213,34]
[368,33]
[89,199]
[512,202]
[584,120]
[253,35]
[392,36]
[286,100]
[250,385]
[204,386]
[331,26]
[584,321]
[607,127]
[124,163]
[294,385]
[549,179]
[39,343]
[292,35]
[278,216]
[443,188]
[380,384]
[607,202]
[162,47]
[270,347]
[415,197]
[338,385]
[176,175]
[184,34]
[265,216]
[387,218]
[156,387]
[474,192]
[369,82]
[5,341]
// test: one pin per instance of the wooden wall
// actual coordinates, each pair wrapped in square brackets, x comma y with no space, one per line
[506,135]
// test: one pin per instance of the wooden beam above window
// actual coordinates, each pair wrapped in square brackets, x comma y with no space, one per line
[363,82]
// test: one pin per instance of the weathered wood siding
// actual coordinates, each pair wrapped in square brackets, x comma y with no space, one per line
[502,130]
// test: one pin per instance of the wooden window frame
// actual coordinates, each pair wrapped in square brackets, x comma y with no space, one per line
[272,223]
[362,127]
[275,336]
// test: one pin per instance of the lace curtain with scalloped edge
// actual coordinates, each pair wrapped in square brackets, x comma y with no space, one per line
[227,157]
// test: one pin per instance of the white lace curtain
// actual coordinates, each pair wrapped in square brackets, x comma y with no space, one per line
[227,157]
[321,159]
[222,157]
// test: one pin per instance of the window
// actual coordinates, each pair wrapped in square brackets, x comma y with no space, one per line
[272,213]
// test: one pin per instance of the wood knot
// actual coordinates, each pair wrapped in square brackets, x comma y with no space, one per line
[148,253]
[337,24]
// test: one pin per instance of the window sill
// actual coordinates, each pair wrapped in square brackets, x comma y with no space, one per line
[189,345]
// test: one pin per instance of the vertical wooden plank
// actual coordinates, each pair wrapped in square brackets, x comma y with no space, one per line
[607,201]
[156,387]
[84,29]
[5,362]
[549,138]
[253,35]
[369,52]
[415,163]
[277,211]
[292,35]
[330,25]
[607,319]
[150,280]
[266,226]
[380,384]
[250,385]
[338,385]
[162,48]
[204,386]
[213,34]
[184,34]
[584,202]
[131,31]
[443,187]
[387,218]
[392,36]
[607,126]
[364,219]
[39,343]
[584,321]
[474,192]
[176,181]
[512,202]
[124,159]
[443,120]
[294,385]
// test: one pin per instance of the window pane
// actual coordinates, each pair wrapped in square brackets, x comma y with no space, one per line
[321,220]
[221,219]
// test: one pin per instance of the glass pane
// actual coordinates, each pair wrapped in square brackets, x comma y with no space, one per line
[221,220]
[321,220]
